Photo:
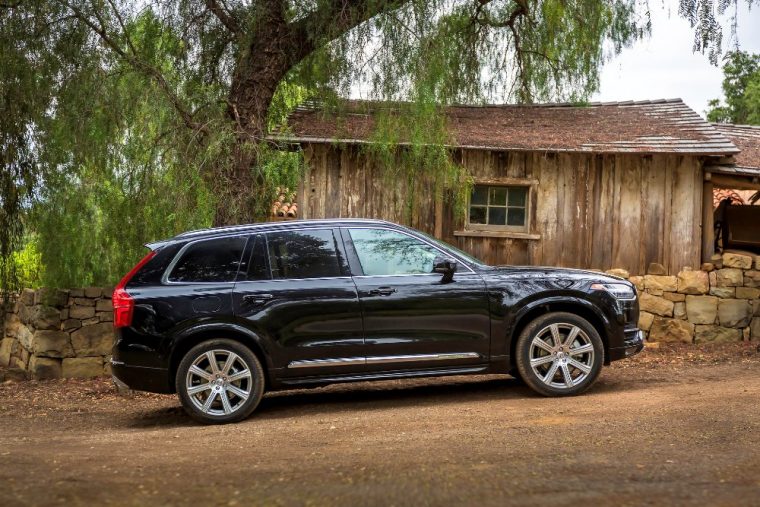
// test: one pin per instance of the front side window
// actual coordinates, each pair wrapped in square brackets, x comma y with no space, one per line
[384,252]
[303,254]
[215,260]
[498,207]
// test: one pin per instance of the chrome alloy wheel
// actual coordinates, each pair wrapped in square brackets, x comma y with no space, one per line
[219,382]
[561,355]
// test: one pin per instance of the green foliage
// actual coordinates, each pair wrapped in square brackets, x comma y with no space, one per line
[704,17]
[27,264]
[123,122]
[91,229]
[741,90]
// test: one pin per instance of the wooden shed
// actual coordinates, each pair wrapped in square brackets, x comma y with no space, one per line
[738,175]
[605,185]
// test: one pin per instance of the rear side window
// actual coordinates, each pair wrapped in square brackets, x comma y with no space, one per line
[304,254]
[215,260]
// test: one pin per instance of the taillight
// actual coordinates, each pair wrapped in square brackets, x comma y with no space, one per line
[123,304]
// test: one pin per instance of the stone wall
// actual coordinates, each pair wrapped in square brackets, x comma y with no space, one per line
[720,302]
[69,333]
[59,333]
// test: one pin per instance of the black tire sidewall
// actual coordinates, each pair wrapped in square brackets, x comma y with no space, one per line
[257,377]
[522,353]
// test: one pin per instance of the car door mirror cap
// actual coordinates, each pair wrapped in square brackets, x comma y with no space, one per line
[445,266]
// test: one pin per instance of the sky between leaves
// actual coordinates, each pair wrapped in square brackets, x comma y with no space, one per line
[664,66]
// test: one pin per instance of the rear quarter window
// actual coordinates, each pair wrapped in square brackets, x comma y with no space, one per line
[213,260]
[152,272]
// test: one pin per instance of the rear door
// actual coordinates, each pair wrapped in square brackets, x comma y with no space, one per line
[297,293]
[412,319]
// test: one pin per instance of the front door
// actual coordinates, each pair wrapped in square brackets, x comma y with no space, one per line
[298,295]
[412,319]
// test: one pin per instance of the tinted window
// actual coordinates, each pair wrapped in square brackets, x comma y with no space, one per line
[303,254]
[383,252]
[215,260]
[258,267]
[154,270]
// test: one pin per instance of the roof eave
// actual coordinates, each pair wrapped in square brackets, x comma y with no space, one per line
[696,150]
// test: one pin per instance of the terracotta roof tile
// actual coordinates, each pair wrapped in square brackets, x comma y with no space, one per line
[656,126]
[747,139]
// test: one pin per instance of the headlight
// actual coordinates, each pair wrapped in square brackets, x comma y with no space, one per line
[619,290]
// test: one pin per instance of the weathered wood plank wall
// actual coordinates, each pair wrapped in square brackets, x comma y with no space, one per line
[591,211]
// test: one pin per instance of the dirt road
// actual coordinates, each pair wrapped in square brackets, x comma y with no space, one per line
[673,426]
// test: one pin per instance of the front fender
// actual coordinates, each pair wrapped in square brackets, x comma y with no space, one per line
[510,313]
[579,300]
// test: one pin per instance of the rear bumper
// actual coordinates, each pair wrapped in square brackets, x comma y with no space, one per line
[633,344]
[141,378]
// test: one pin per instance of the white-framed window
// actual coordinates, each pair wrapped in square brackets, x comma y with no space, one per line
[499,207]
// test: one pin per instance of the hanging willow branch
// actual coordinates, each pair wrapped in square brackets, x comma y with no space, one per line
[160,110]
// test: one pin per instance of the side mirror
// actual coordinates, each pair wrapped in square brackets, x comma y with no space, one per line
[446,267]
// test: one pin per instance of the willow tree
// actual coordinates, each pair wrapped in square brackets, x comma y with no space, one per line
[193,88]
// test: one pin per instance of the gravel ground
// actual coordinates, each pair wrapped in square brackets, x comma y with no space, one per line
[672,426]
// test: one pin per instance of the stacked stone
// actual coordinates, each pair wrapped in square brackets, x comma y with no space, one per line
[718,303]
[69,333]
[59,333]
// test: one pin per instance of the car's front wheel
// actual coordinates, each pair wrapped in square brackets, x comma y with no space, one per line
[559,354]
[220,381]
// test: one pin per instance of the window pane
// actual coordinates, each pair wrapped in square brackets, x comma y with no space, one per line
[497,216]
[215,260]
[497,196]
[303,254]
[477,214]
[517,196]
[516,216]
[479,195]
[257,265]
[383,252]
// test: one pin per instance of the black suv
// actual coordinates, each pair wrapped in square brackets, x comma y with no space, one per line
[221,315]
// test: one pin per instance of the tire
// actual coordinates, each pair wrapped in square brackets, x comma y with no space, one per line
[235,389]
[545,365]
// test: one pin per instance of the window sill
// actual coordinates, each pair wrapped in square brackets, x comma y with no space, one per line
[497,234]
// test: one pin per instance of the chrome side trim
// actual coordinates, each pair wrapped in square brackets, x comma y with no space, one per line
[410,358]
[338,361]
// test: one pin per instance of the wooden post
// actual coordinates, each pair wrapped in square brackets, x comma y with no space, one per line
[708,226]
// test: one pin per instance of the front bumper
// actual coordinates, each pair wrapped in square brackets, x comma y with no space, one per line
[141,378]
[633,344]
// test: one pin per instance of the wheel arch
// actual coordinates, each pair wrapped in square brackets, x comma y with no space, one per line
[577,306]
[194,336]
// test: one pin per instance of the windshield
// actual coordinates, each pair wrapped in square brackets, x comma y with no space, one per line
[456,250]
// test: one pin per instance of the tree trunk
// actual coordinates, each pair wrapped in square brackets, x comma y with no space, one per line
[272,51]
[273,47]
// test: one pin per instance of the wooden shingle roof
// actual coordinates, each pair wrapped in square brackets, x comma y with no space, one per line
[654,126]
[747,139]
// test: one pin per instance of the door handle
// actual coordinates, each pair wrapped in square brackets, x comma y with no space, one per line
[382,291]
[257,299]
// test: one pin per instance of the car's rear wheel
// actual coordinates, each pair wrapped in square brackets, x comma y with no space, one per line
[220,381]
[559,354]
